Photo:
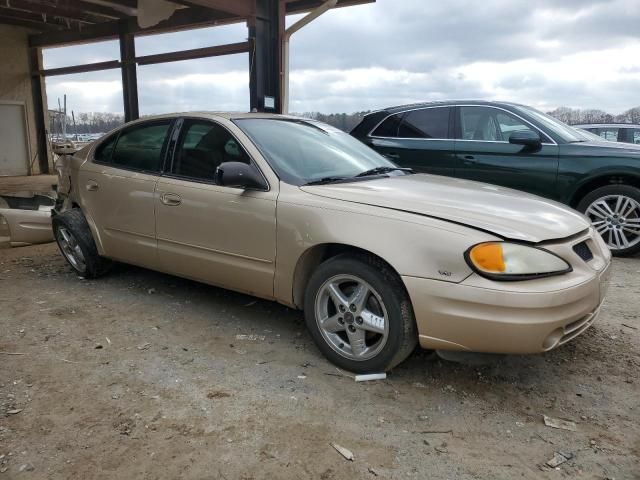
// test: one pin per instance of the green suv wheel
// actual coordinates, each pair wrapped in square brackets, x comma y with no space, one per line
[614,211]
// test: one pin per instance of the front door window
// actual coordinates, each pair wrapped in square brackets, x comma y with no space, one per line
[203,146]
[489,124]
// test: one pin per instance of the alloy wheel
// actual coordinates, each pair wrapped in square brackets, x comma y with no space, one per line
[71,249]
[352,317]
[617,220]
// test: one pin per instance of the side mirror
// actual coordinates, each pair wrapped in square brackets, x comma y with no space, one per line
[526,138]
[239,175]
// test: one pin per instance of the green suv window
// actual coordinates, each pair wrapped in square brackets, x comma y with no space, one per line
[489,124]
[429,123]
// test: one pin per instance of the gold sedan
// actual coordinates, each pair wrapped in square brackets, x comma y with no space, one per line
[293,210]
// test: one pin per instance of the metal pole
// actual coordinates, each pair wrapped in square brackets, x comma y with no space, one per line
[75,127]
[64,119]
[310,17]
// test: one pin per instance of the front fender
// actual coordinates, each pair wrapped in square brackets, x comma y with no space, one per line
[412,245]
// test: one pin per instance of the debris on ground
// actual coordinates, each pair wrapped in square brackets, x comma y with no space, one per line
[144,346]
[14,412]
[373,472]
[339,374]
[559,458]
[343,451]
[434,431]
[559,423]
[27,467]
[252,337]
[442,448]
[371,376]
[217,394]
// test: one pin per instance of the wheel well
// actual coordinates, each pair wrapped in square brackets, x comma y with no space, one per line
[318,254]
[591,185]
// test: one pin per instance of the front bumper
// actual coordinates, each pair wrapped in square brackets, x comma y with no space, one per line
[469,317]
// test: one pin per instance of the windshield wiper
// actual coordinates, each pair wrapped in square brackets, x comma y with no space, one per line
[380,170]
[326,180]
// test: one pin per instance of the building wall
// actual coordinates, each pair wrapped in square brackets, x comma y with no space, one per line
[15,81]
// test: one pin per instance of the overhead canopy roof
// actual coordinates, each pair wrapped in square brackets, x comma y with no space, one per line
[78,21]
[65,22]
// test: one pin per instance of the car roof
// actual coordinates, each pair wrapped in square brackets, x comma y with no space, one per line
[445,103]
[607,125]
[225,115]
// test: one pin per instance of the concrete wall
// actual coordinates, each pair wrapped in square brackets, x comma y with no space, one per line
[15,81]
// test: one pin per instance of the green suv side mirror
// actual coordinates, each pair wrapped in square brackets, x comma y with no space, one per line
[527,138]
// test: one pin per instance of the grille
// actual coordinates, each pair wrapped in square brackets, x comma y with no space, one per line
[583,251]
[574,329]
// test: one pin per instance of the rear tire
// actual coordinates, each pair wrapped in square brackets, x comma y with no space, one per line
[359,314]
[73,236]
[614,211]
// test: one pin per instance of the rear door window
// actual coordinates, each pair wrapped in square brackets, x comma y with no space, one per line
[105,150]
[141,147]
[635,136]
[425,123]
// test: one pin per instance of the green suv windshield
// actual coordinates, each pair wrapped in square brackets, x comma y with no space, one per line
[305,151]
[562,130]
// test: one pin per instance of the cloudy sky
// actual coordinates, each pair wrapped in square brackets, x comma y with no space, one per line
[547,53]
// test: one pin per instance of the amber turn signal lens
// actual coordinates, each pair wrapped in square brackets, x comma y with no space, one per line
[488,257]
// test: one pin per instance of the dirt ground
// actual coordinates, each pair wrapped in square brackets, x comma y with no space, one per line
[143,375]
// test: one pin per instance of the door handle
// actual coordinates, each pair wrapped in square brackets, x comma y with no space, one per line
[171,199]
[395,156]
[92,186]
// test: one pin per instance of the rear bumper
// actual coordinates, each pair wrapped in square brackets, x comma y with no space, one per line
[465,317]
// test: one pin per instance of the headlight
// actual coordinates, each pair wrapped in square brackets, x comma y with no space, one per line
[512,261]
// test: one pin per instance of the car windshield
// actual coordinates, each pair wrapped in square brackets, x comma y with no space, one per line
[588,136]
[566,133]
[306,151]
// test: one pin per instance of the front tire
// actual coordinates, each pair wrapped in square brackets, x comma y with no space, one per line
[74,239]
[359,314]
[614,211]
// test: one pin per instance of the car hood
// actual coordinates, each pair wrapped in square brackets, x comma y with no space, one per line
[607,148]
[501,211]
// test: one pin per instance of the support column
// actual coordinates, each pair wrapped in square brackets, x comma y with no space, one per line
[264,57]
[129,75]
[37,89]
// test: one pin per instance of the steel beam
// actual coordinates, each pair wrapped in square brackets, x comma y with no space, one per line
[37,89]
[264,57]
[129,75]
[241,8]
[87,67]
[193,54]
[182,19]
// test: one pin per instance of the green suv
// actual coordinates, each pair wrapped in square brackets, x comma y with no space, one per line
[518,147]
